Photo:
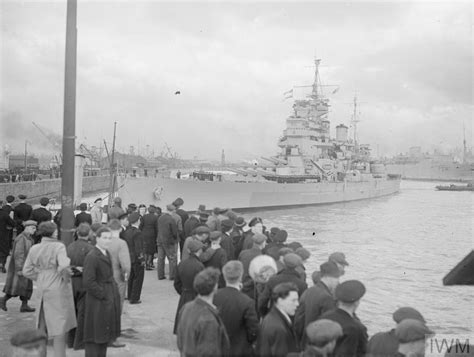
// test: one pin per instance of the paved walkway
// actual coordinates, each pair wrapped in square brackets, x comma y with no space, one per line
[148,325]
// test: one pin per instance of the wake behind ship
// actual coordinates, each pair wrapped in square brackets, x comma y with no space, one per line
[311,168]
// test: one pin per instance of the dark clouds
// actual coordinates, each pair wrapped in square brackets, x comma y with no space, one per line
[411,64]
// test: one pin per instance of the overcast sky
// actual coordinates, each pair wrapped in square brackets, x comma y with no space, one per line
[409,62]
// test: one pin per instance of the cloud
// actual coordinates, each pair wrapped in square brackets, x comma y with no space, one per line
[408,62]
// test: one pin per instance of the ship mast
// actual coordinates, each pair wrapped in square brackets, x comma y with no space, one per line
[354,122]
[464,144]
[317,80]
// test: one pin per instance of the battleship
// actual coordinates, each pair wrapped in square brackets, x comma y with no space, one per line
[311,169]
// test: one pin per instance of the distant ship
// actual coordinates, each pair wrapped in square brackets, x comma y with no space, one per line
[311,168]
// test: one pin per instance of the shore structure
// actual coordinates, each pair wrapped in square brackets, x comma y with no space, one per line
[311,168]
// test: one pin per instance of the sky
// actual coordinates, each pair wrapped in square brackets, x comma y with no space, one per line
[410,64]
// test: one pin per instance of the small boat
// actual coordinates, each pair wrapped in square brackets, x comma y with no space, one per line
[452,187]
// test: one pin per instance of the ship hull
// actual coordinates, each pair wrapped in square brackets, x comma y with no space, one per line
[429,171]
[250,195]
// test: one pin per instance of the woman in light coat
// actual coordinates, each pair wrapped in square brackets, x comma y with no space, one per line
[47,263]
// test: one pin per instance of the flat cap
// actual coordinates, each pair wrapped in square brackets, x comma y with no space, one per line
[170,207]
[22,197]
[194,245]
[201,208]
[274,230]
[281,236]
[329,269]
[259,238]
[10,198]
[240,222]
[44,201]
[30,222]
[322,332]
[302,252]
[292,260]
[227,224]
[410,330]
[350,291]
[28,336]
[178,202]
[133,218]
[216,210]
[339,258]
[202,230]
[295,245]
[407,313]
[215,235]
[254,221]
[132,206]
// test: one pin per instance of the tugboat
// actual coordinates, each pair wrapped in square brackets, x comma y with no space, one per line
[452,187]
[311,168]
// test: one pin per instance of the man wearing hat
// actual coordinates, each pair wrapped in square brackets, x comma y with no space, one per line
[16,284]
[246,256]
[184,217]
[201,331]
[386,343]
[83,216]
[167,242]
[287,275]
[40,215]
[317,300]
[6,228]
[278,243]
[193,221]
[256,226]
[179,224]
[200,234]
[237,311]
[277,337]
[321,337]
[97,211]
[185,273]
[237,235]
[213,222]
[134,238]
[354,340]
[411,335]
[21,213]
[8,207]
[116,210]
[215,256]
[226,241]
[340,259]
[29,342]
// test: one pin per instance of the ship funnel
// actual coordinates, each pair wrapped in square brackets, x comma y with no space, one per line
[341,133]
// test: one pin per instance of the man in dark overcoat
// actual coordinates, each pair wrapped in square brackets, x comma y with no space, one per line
[184,217]
[237,311]
[102,309]
[149,229]
[167,242]
[21,213]
[237,235]
[40,215]
[17,284]
[354,341]
[201,331]
[317,300]
[277,337]
[193,221]
[134,238]
[83,216]
[246,256]
[8,207]
[6,226]
[77,252]
[184,278]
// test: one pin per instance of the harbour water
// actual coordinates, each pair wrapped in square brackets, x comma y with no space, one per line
[399,246]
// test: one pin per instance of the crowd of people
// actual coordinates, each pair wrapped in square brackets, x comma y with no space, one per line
[242,287]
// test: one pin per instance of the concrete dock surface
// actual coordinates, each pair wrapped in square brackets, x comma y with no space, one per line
[147,328]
